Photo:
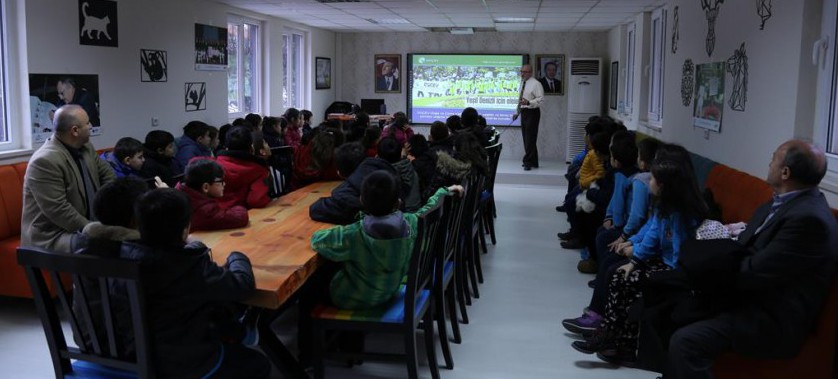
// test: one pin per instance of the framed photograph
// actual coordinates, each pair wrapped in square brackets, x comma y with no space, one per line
[709,95]
[210,48]
[615,84]
[153,66]
[322,73]
[195,96]
[549,70]
[48,92]
[387,74]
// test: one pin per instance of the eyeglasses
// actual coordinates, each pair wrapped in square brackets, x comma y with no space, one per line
[218,181]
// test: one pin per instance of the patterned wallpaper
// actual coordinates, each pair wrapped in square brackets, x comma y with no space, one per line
[355,79]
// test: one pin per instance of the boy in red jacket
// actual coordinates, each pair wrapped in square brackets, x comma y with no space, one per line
[245,174]
[204,184]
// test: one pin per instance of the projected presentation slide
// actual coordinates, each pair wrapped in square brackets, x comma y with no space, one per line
[443,85]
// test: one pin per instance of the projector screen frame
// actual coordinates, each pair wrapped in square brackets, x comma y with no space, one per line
[525,58]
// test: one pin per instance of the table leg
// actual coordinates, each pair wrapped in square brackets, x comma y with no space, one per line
[276,351]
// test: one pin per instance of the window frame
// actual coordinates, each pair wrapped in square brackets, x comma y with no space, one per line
[15,81]
[825,58]
[654,115]
[256,80]
[628,87]
[302,86]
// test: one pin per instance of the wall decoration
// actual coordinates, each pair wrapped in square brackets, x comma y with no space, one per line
[210,48]
[154,66]
[709,95]
[195,96]
[764,12]
[322,73]
[675,28]
[687,82]
[550,72]
[387,73]
[48,92]
[615,74]
[711,12]
[98,23]
[737,66]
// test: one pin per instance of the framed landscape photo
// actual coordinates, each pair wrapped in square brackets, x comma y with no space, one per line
[322,73]
[615,74]
[549,70]
[387,73]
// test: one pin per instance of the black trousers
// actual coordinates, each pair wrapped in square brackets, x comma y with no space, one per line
[608,264]
[694,348]
[242,362]
[529,128]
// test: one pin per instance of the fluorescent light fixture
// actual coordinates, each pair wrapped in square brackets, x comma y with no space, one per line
[388,21]
[514,20]
[462,30]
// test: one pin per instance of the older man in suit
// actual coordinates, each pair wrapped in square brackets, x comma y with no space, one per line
[62,177]
[549,81]
[783,281]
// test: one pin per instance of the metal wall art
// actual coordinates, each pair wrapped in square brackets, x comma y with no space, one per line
[737,66]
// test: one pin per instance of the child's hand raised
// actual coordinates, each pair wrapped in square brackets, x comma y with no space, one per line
[457,189]
[159,183]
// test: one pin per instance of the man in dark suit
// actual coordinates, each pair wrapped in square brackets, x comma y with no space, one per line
[783,282]
[388,80]
[549,81]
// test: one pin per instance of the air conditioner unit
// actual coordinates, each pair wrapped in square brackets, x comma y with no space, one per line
[584,97]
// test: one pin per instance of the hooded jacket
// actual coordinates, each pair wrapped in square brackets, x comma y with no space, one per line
[120,169]
[246,178]
[207,214]
[188,148]
[449,171]
[159,165]
[182,288]
[345,203]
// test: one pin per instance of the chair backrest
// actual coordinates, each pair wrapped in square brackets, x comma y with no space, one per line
[431,227]
[474,189]
[281,165]
[109,309]
[453,211]
[493,153]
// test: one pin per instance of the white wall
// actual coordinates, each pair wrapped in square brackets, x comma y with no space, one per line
[127,105]
[355,71]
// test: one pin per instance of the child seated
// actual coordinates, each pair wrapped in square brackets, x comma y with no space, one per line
[391,151]
[204,184]
[594,168]
[375,250]
[159,154]
[195,142]
[246,175]
[126,159]
[183,288]
[343,205]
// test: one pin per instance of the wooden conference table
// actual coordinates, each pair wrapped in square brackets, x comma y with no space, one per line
[277,241]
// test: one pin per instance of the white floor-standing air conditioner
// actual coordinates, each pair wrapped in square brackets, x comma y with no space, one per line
[584,96]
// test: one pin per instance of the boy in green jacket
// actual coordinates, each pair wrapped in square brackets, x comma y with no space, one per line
[374,251]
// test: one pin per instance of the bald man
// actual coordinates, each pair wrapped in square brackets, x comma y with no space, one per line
[60,181]
[532,94]
[783,281]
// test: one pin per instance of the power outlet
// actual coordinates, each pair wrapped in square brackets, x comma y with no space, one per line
[155,122]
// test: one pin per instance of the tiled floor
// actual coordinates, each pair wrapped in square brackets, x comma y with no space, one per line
[515,332]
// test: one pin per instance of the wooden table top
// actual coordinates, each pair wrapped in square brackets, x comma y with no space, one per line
[277,241]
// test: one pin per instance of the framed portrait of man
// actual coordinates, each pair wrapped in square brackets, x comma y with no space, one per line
[550,72]
[387,73]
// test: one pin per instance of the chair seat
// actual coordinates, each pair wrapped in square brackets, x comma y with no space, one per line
[485,196]
[392,312]
[84,369]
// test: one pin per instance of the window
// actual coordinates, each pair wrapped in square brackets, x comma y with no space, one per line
[243,71]
[5,138]
[629,97]
[655,114]
[293,68]
[825,59]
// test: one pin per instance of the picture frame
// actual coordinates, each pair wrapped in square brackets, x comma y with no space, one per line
[210,48]
[543,62]
[387,69]
[322,73]
[195,96]
[614,85]
[154,66]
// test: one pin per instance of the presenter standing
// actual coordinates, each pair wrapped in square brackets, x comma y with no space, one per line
[529,101]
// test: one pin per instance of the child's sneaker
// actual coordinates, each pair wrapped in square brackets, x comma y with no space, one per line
[250,321]
[589,321]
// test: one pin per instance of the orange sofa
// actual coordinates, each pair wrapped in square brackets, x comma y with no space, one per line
[738,196]
[12,278]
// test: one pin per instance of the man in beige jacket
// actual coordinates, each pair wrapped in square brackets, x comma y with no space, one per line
[61,179]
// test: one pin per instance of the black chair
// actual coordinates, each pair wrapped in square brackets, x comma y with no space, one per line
[469,242]
[487,205]
[445,284]
[281,166]
[401,315]
[112,355]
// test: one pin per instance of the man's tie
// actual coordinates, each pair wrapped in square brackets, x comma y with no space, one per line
[389,82]
[551,85]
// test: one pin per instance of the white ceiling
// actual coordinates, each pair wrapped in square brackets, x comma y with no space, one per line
[417,15]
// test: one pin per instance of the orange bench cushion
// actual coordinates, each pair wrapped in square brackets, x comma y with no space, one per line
[738,194]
